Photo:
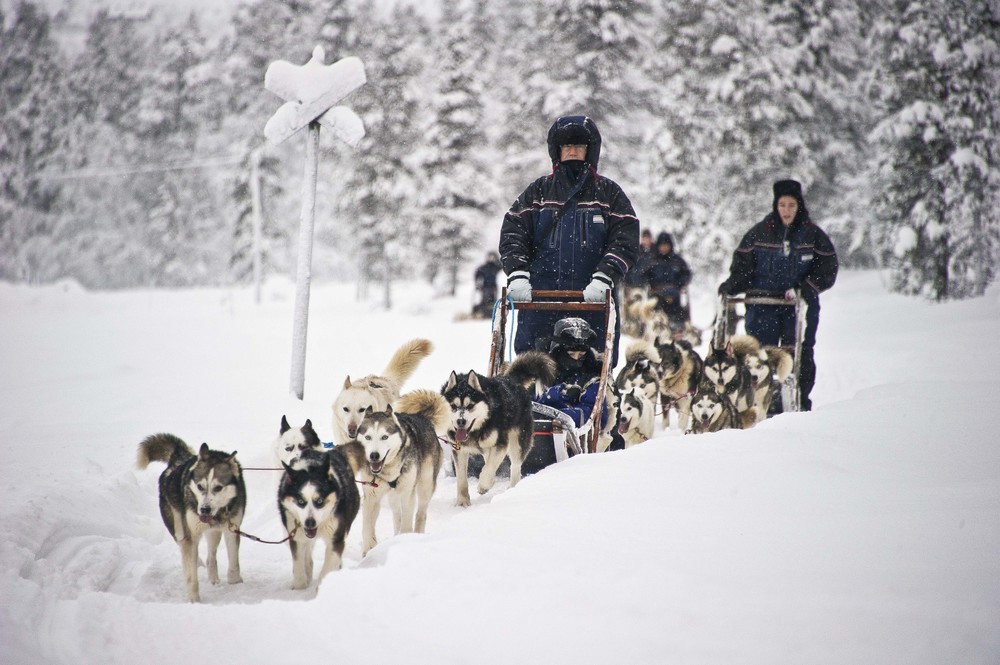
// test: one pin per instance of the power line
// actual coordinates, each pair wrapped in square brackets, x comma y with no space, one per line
[119,171]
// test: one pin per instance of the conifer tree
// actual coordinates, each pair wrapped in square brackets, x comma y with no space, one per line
[457,176]
[938,190]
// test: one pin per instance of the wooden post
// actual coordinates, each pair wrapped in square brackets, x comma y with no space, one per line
[303,275]
[310,92]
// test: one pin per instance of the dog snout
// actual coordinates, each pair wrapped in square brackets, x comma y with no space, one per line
[205,509]
[352,430]
[310,523]
[374,456]
[461,422]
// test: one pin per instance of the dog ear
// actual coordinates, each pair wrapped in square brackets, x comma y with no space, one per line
[474,381]
[452,382]
[347,382]
[203,452]
[234,464]
[368,411]
[388,409]
[284,425]
[308,426]
[288,469]
[729,350]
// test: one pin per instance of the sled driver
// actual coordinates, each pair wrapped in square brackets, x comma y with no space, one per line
[783,253]
[569,230]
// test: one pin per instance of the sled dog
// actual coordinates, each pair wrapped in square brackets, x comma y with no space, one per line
[403,459]
[492,417]
[292,442]
[725,370]
[680,373]
[317,498]
[635,417]
[770,365]
[201,494]
[712,411]
[375,391]
[641,369]
[610,438]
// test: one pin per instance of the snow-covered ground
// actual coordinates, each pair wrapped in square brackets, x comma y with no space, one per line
[866,531]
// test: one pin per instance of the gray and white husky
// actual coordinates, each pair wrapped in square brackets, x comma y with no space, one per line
[491,416]
[712,411]
[317,499]
[201,494]
[402,461]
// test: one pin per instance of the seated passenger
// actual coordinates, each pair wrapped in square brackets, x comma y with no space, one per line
[578,374]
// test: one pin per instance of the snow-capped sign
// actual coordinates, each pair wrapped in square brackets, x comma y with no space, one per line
[310,92]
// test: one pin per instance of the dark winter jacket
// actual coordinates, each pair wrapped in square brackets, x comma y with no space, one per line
[667,273]
[764,262]
[563,243]
[486,277]
[636,277]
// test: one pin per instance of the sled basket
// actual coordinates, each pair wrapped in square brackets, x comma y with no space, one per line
[725,327]
[548,419]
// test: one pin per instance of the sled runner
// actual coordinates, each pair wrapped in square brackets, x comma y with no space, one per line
[725,328]
[555,432]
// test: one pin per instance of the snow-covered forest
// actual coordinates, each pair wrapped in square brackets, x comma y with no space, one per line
[127,160]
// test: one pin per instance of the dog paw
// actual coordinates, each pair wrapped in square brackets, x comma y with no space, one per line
[299,585]
[463,502]
[234,578]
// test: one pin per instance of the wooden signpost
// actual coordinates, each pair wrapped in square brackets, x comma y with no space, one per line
[310,92]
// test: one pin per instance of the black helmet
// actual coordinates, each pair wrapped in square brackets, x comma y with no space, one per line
[575,130]
[572,334]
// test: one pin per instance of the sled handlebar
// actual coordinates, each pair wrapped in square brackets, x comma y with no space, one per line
[575,303]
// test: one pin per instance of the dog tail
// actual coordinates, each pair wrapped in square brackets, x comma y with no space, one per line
[780,361]
[404,362]
[745,345]
[428,404]
[530,368]
[641,349]
[161,448]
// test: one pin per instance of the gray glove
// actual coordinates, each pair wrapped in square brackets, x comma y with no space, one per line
[598,285]
[519,286]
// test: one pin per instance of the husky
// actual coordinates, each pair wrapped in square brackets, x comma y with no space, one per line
[317,497]
[201,494]
[680,370]
[725,370]
[635,416]
[492,417]
[641,369]
[292,442]
[769,365]
[610,438]
[375,391]
[712,411]
[402,460]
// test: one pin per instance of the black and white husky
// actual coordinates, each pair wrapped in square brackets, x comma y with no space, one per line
[712,411]
[636,416]
[725,370]
[201,494]
[402,461]
[491,416]
[317,499]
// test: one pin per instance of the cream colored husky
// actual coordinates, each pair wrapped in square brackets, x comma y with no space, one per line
[374,391]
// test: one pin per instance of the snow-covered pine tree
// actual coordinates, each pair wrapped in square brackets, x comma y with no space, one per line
[30,122]
[937,187]
[458,186]
[381,194]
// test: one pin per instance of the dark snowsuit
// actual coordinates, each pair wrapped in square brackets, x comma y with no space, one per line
[665,275]
[486,285]
[576,388]
[773,258]
[562,229]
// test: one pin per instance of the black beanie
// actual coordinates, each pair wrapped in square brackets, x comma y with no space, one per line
[791,188]
[664,237]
